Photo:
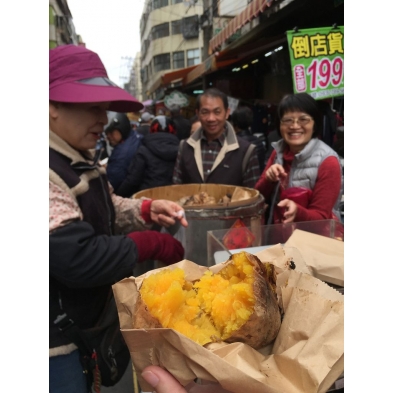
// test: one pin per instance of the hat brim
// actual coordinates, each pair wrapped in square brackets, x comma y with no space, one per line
[74,92]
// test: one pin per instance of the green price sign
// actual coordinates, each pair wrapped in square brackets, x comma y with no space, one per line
[317,61]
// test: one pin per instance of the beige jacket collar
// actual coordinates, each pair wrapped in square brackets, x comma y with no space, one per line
[61,146]
[230,144]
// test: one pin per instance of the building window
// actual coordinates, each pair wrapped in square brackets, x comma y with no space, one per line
[178,59]
[176,27]
[159,31]
[192,57]
[145,46]
[144,74]
[159,4]
[190,27]
[162,62]
[177,1]
[143,22]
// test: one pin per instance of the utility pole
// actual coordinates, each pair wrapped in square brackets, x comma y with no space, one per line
[124,74]
[207,26]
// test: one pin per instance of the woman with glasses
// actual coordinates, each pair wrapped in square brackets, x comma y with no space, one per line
[303,174]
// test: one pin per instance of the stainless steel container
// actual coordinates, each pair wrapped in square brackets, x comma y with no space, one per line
[205,218]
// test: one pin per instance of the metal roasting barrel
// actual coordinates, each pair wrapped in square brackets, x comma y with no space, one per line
[205,218]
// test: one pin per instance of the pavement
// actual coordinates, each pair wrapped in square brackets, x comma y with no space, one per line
[125,385]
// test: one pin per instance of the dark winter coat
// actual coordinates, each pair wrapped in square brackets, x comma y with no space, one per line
[120,159]
[182,126]
[85,260]
[258,142]
[228,166]
[143,129]
[152,165]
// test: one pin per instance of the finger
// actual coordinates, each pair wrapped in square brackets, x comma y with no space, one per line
[276,171]
[289,214]
[288,220]
[184,222]
[161,380]
[180,215]
[161,219]
[165,220]
[162,206]
[283,203]
[283,175]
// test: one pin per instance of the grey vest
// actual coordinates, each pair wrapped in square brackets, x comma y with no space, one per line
[304,169]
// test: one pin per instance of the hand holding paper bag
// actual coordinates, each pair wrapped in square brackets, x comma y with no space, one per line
[307,355]
[164,382]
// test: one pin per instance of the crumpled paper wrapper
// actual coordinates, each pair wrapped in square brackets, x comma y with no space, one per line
[307,355]
[241,194]
[324,255]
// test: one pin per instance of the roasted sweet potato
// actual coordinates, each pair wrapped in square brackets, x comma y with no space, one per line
[237,304]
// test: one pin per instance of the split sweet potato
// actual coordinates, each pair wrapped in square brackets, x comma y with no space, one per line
[237,304]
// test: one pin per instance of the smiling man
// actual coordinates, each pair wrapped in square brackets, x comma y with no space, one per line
[213,153]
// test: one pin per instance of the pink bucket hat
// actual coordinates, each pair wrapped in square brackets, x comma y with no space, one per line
[77,75]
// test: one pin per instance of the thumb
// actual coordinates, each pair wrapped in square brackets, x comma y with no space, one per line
[283,203]
[161,380]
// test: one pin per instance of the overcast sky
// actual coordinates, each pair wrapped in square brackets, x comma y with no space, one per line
[111,29]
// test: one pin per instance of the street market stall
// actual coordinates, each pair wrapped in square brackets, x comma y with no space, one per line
[223,207]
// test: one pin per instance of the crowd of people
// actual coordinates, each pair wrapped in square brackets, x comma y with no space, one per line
[98,233]
[221,148]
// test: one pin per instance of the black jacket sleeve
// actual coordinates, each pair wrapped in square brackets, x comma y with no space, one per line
[135,174]
[80,259]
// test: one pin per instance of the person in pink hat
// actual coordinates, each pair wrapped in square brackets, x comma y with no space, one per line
[95,237]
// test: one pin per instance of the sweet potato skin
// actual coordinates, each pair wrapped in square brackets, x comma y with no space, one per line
[142,319]
[263,325]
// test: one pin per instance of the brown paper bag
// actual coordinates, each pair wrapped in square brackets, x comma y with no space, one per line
[241,194]
[324,256]
[307,355]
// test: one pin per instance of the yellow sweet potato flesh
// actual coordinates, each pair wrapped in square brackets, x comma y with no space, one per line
[210,309]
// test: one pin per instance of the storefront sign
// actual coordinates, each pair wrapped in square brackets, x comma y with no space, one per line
[317,61]
[176,98]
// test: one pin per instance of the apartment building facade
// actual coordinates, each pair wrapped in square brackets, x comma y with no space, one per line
[61,26]
[171,39]
[134,85]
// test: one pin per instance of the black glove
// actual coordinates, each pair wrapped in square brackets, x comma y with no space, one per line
[156,245]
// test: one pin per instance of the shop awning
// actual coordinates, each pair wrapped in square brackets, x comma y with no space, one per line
[174,78]
[200,69]
[232,55]
[250,12]
[212,63]
[147,103]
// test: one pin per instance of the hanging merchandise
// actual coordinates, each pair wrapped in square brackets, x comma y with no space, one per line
[317,61]
[232,103]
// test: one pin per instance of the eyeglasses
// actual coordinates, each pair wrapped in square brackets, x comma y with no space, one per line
[302,121]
